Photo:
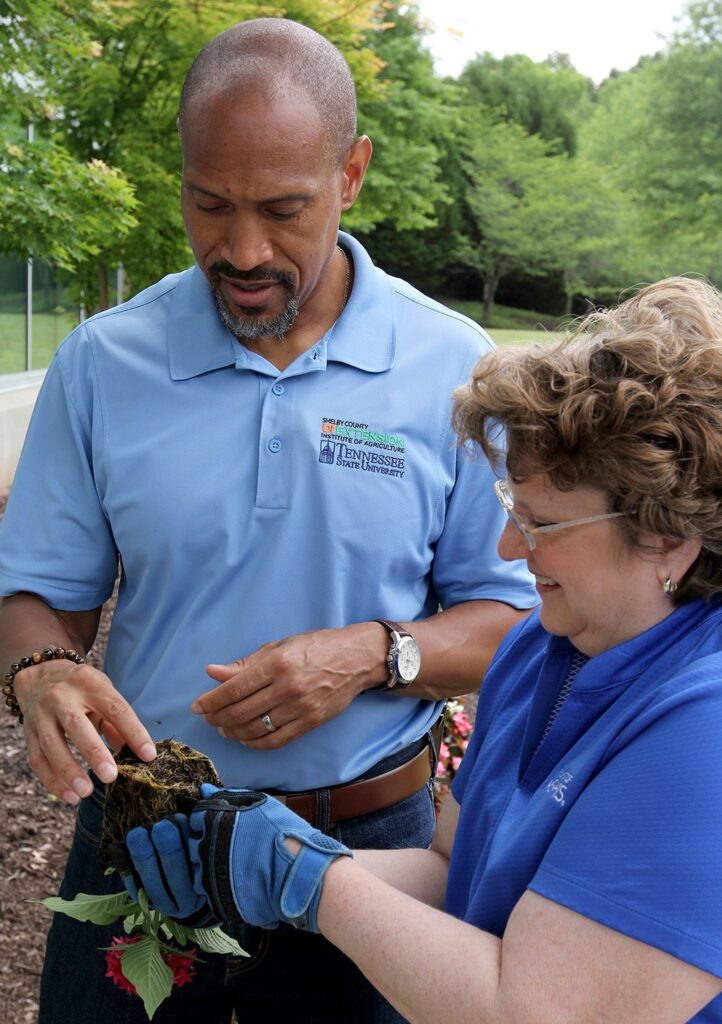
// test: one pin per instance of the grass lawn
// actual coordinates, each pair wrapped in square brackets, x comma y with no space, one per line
[521,336]
[509,326]
[49,329]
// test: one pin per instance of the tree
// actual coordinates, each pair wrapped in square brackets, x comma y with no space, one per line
[53,206]
[514,201]
[656,132]
[118,105]
[406,117]
[547,98]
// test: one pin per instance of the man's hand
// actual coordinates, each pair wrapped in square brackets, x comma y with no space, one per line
[299,683]
[245,857]
[64,704]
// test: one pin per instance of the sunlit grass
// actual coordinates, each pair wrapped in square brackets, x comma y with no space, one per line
[49,329]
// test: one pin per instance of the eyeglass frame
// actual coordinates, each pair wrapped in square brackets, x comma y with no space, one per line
[501,489]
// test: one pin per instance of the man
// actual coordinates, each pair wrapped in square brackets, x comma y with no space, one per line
[264,443]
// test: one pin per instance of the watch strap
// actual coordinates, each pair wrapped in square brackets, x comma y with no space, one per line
[393,681]
[393,627]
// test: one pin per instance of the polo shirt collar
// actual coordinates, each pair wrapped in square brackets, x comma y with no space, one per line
[627,660]
[364,336]
[198,341]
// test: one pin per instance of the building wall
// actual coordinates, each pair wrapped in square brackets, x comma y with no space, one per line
[18,392]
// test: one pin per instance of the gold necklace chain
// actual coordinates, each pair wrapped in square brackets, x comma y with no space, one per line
[347,279]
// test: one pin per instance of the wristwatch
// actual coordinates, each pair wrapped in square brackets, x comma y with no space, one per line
[404,657]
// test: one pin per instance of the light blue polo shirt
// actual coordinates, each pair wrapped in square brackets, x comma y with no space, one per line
[248,504]
[617,814]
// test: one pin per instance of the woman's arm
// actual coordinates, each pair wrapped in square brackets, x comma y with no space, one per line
[554,966]
[418,873]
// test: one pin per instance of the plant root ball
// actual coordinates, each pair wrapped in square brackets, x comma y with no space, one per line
[146,791]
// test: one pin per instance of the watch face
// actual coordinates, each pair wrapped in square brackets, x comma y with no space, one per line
[408,659]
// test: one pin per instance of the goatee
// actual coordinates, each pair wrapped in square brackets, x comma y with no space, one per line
[250,325]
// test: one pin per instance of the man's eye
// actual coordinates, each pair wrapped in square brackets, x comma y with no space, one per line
[283,214]
[204,208]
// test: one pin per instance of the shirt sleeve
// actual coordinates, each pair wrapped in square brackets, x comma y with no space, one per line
[641,849]
[55,540]
[467,566]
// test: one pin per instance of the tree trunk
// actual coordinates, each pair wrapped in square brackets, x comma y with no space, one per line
[491,283]
[102,286]
[568,294]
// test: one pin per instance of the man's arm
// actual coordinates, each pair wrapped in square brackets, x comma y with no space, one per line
[64,703]
[305,680]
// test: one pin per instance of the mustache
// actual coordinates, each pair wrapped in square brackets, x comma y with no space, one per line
[261,273]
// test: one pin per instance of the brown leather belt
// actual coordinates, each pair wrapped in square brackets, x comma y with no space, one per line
[354,799]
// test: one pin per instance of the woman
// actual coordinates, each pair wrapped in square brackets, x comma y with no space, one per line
[579,858]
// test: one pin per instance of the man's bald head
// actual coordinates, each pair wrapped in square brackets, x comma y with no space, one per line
[278,59]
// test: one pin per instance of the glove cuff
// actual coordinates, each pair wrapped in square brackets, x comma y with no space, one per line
[302,886]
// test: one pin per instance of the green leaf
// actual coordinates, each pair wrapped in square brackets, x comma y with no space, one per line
[175,930]
[97,909]
[143,966]
[132,921]
[215,940]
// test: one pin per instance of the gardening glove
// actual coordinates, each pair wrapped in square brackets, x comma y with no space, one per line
[245,868]
[157,859]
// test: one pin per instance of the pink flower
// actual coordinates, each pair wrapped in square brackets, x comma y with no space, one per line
[180,964]
[455,762]
[462,723]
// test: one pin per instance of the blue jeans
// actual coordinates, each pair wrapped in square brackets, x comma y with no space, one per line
[290,976]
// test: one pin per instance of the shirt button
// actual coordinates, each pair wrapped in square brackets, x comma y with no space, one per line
[278,389]
[275,445]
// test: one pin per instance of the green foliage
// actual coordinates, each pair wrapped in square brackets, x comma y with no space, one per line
[405,116]
[143,960]
[144,966]
[656,134]
[96,909]
[519,170]
[52,204]
[548,99]
[59,208]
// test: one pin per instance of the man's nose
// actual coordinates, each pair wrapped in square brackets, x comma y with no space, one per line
[247,244]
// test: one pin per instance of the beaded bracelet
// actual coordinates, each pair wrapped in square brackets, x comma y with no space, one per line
[36,658]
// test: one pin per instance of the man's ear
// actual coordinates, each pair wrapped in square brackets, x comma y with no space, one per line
[357,160]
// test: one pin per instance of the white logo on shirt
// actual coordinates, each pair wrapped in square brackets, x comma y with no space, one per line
[558,785]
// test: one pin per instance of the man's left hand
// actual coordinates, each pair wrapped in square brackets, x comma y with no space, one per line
[294,685]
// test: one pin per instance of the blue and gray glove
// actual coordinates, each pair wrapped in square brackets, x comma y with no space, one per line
[233,861]
[158,860]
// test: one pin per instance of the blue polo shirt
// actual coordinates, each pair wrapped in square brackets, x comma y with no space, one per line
[618,813]
[248,504]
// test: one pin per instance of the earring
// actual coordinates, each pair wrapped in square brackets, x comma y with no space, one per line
[669,587]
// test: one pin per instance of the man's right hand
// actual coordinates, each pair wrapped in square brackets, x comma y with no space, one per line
[65,709]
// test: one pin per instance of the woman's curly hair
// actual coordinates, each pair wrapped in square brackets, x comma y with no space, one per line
[630,403]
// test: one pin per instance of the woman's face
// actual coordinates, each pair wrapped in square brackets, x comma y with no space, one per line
[594,587]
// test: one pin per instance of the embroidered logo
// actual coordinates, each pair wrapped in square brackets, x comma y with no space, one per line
[356,446]
[557,787]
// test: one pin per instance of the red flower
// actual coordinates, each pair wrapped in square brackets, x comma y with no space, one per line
[179,963]
[182,967]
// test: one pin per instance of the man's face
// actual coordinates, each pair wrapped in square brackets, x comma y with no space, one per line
[261,202]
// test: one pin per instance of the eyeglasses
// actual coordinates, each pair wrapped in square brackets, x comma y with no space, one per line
[501,487]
